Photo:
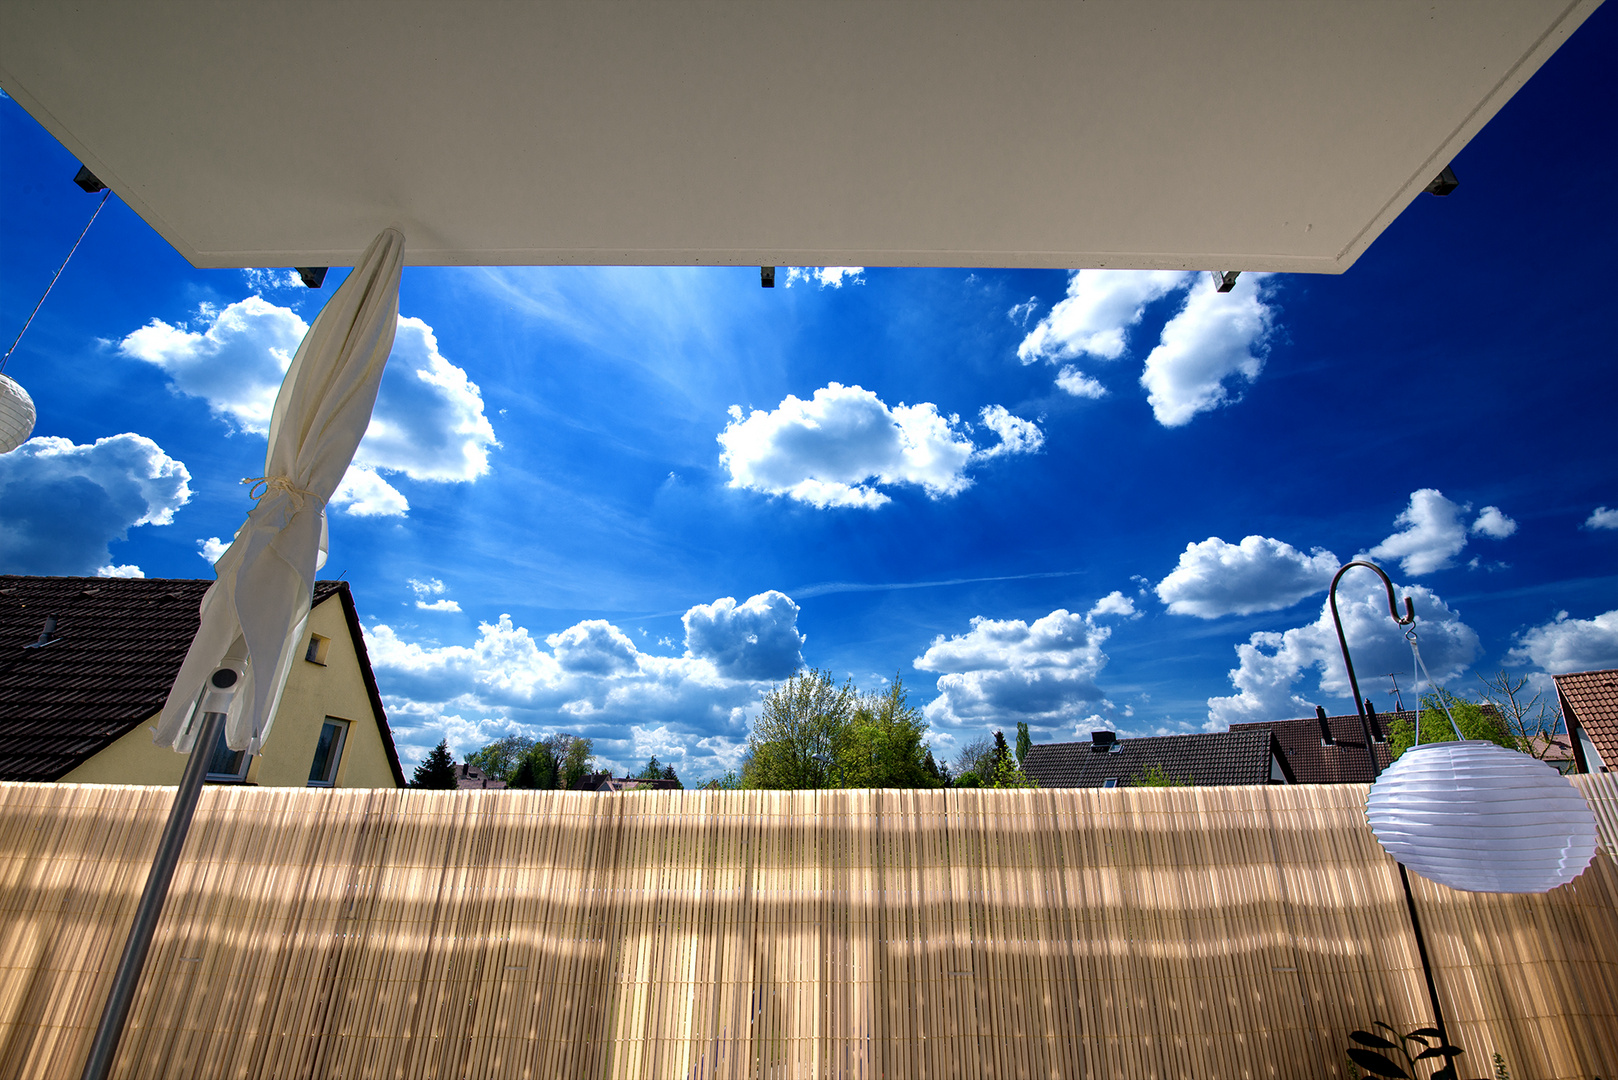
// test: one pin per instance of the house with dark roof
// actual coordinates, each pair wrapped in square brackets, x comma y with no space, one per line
[472,778]
[1203,760]
[1324,749]
[1589,702]
[86,664]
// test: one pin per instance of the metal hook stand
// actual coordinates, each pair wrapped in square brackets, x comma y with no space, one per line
[1408,619]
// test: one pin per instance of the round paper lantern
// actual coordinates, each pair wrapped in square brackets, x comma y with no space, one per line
[16,414]
[1481,818]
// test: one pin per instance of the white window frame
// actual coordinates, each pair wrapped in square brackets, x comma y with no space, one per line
[1110,782]
[334,761]
[237,777]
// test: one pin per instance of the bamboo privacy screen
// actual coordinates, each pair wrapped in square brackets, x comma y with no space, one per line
[1194,932]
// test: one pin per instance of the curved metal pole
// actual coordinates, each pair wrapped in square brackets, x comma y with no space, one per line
[1342,641]
[1370,750]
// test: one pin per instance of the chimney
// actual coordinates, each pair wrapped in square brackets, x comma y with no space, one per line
[1103,742]
[1325,728]
[1376,726]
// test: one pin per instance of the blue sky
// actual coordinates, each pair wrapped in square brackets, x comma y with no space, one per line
[623,502]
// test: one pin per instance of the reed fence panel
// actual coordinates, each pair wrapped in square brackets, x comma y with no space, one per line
[1194,933]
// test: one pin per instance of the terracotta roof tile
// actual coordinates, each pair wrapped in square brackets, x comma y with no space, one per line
[116,647]
[1227,757]
[1590,699]
[1344,762]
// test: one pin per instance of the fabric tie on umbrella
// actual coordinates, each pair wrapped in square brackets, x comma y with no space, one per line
[259,606]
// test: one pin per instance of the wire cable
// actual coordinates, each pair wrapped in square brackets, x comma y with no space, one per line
[52,285]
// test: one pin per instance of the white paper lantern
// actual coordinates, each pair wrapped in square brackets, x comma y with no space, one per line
[1481,818]
[16,414]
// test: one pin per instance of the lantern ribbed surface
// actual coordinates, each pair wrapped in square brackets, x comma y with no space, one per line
[1481,818]
[16,414]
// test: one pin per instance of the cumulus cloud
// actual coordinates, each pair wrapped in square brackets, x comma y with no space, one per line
[1493,524]
[1216,578]
[65,503]
[755,640]
[1434,532]
[1602,518]
[212,548]
[1003,671]
[1073,381]
[1017,436]
[827,277]
[1565,644]
[128,570]
[1272,664]
[432,587]
[833,449]
[235,362]
[1114,603]
[428,423]
[590,679]
[1095,317]
[1216,340]
[269,279]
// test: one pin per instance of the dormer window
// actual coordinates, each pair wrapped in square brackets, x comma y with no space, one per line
[316,652]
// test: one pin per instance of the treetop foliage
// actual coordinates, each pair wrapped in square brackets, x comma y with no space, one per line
[437,769]
[556,761]
[1475,722]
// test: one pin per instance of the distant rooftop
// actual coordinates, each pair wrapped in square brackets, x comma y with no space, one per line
[1590,705]
[1206,760]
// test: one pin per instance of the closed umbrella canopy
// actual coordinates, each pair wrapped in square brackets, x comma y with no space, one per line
[257,609]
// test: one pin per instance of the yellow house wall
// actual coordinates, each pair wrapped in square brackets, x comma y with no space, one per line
[313,692]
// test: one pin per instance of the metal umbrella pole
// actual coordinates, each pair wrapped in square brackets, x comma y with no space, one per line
[221,688]
[1408,618]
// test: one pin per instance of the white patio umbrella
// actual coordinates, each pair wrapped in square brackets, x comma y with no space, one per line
[259,606]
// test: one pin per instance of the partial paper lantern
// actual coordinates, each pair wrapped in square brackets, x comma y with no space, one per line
[16,414]
[1481,818]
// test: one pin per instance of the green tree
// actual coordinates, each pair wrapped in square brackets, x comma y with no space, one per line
[574,758]
[790,745]
[881,744]
[1533,719]
[499,758]
[1025,742]
[536,768]
[939,773]
[1003,771]
[437,769]
[652,770]
[974,762]
[1154,776]
[729,782]
[1474,720]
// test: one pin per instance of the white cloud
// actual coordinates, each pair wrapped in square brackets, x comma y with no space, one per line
[1215,338]
[1017,436]
[212,548]
[1004,671]
[1073,381]
[439,605]
[235,363]
[1217,578]
[1432,536]
[431,587]
[1563,644]
[1493,524]
[1021,313]
[1602,518]
[365,494]
[262,279]
[128,570]
[833,449]
[428,423]
[1114,603]
[65,503]
[1097,313]
[591,680]
[755,640]
[827,277]
[1271,664]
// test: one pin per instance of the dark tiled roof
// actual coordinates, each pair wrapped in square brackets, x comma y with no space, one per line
[1344,762]
[1590,701]
[117,646]
[470,776]
[1227,757]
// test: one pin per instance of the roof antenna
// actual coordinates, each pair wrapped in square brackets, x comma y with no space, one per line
[1398,702]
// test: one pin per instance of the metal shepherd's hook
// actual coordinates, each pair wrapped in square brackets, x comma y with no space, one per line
[1342,641]
[1407,619]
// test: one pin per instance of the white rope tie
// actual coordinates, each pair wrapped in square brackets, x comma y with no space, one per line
[264,486]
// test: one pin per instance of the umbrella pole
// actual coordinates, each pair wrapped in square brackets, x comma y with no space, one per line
[127,977]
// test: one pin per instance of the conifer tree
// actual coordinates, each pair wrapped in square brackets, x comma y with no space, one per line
[437,769]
